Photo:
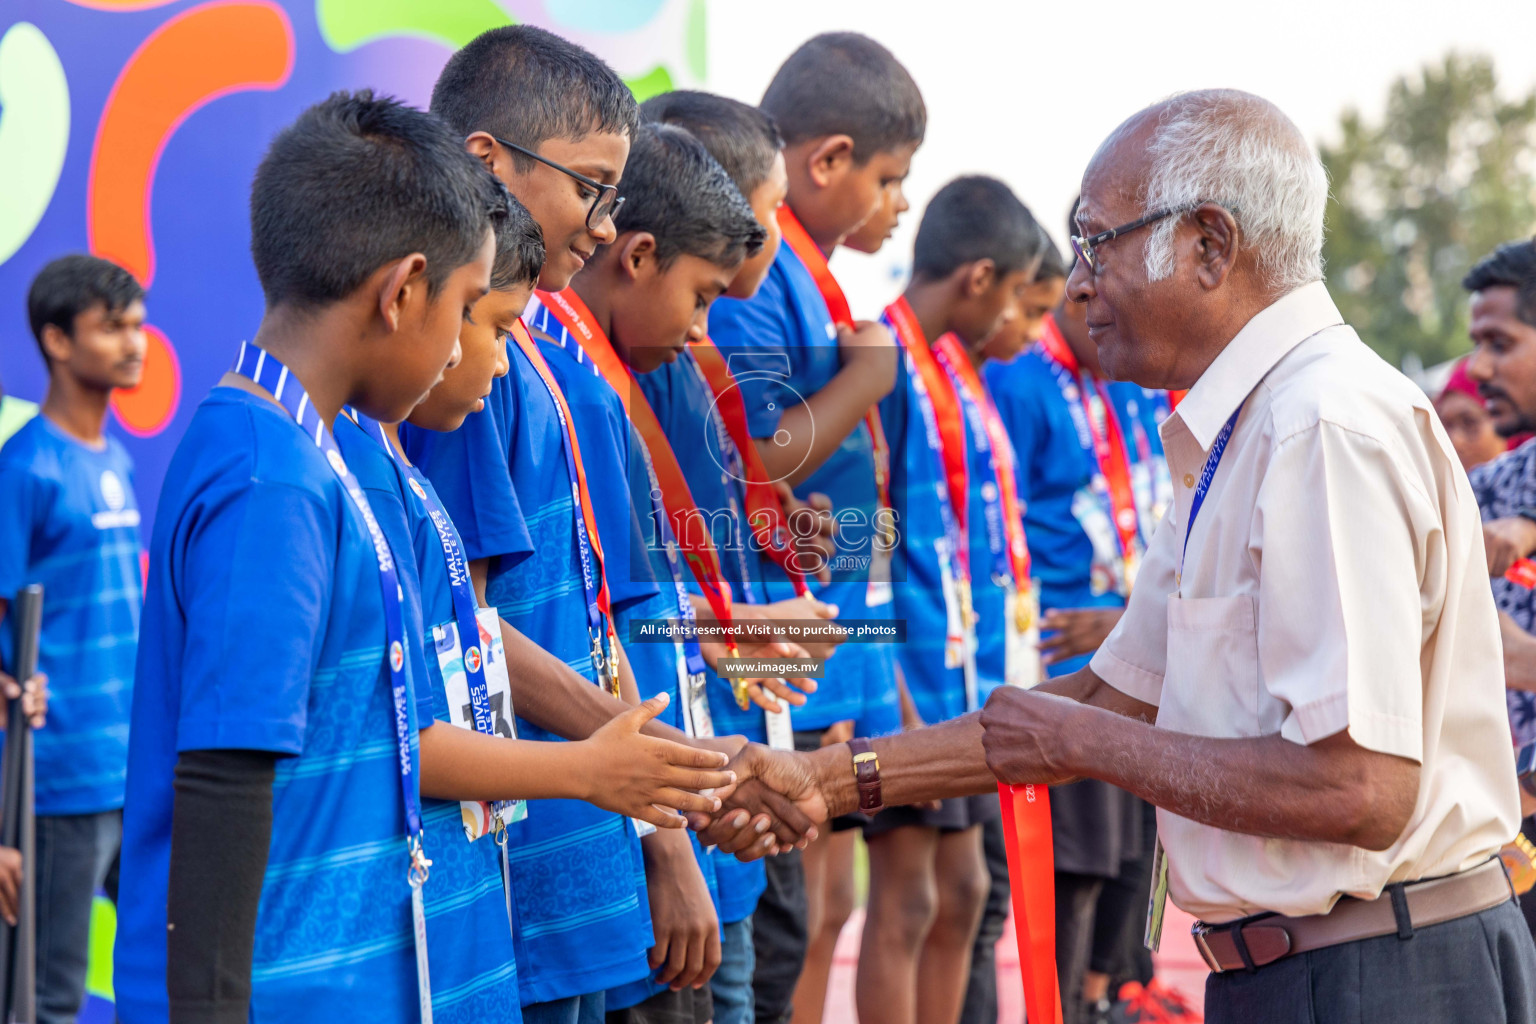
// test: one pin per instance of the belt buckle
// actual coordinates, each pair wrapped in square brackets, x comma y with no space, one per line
[1198,931]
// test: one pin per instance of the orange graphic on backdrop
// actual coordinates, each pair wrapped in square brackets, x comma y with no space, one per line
[194,58]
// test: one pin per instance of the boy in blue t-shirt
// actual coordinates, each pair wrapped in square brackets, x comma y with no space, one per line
[473,962]
[851,118]
[271,844]
[69,521]
[526,518]
[682,235]
[976,252]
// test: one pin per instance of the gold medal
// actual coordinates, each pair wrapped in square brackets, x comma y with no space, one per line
[1025,607]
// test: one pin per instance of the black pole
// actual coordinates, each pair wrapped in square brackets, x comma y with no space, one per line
[18,823]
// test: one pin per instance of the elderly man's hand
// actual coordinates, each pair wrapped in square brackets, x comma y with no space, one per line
[775,806]
[1028,735]
[1507,541]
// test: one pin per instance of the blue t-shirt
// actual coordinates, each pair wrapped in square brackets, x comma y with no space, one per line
[684,405]
[582,924]
[917,474]
[781,346]
[273,640]
[469,939]
[68,520]
[1072,541]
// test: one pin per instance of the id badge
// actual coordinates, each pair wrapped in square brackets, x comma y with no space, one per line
[878,591]
[781,733]
[480,818]
[1021,652]
[954,624]
[1157,900]
[699,723]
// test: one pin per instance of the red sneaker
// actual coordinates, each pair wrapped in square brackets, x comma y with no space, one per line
[1178,1011]
[1138,1005]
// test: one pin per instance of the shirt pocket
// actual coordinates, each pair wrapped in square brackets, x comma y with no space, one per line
[1211,683]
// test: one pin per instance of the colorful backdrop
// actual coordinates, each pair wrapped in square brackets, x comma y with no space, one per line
[131,128]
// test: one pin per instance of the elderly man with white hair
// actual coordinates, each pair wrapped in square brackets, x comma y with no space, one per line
[1307,679]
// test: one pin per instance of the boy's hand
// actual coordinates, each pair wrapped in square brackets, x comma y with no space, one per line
[10,883]
[34,698]
[775,807]
[870,346]
[792,689]
[811,529]
[687,949]
[1075,631]
[648,778]
[804,608]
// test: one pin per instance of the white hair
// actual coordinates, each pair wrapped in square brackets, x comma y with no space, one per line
[1240,151]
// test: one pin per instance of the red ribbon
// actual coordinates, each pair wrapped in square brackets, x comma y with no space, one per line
[800,242]
[765,511]
[1108,441]
[688,526]
[1031,872]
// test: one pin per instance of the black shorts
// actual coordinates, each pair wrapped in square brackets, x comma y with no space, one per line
[690,1006]
[807,740]
[953,815]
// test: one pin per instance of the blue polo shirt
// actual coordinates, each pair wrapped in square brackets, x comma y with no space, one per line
[68,520]
[781,345]
[583,925]
[273,640]
[917,474]
[469,939]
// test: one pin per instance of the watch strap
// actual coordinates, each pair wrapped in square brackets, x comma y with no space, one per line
[866,774]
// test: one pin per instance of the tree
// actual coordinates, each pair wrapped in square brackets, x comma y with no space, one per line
[1449,174]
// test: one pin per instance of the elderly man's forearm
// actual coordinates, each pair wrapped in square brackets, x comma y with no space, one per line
[933,763]
[1330,791]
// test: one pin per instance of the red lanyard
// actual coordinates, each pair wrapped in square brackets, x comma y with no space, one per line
[799,241]
[1108,440]
[958,363]
[765,511]
[530,349]
[1031,870]
[694,541]
[944,405]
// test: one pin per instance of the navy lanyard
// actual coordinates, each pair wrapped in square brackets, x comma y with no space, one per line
[546,322]
[267,371]
[1218,449]
[540,318]
[460,586]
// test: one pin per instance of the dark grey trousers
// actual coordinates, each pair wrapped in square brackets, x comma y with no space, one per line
[1479,969]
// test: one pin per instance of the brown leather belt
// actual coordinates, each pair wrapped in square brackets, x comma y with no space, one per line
[1252,942]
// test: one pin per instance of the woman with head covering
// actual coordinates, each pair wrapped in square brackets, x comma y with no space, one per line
[1467,421]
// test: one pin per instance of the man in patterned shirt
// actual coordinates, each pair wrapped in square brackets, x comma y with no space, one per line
[1503,365]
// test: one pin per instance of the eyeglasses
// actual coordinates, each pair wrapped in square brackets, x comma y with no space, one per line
[1084,247]
[604,205]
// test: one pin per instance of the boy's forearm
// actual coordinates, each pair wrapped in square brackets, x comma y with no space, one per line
[461,764]
[816,428]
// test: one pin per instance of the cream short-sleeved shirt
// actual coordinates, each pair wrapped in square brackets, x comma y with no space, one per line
[1335,579]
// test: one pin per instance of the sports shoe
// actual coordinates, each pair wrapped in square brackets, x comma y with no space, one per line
[1174,1006]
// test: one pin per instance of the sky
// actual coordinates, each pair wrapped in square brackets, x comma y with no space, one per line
[1025,91]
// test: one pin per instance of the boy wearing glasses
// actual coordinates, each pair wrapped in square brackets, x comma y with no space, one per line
[555,124]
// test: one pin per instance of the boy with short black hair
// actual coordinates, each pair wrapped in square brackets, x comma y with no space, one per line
[555,125]
[976,252]
[68,520]
[273,768]
[475,775]
[851,117]
[682,234]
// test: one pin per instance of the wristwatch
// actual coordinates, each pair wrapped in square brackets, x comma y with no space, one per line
[866,773]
